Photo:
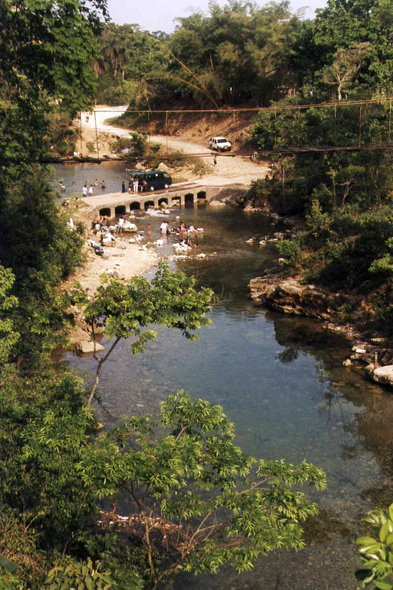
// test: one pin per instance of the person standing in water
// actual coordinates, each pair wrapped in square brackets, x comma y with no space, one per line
[103,185]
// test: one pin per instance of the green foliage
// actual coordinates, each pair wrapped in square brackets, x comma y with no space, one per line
[316,219]
[41,251]
[258,193]
[170,300]
[137,143]
[8,335]
[384,264]
[237,52]
[200,168]
[45,48]
[291,252]
[347,249]
[126,310]
[129,62]
[91,146]
[62,136]
[376,553]
[84,576]
[250,509]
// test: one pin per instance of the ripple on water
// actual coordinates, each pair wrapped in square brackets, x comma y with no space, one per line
[281,381]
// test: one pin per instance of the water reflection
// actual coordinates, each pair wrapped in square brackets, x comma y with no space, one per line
[112,172]
[281,380]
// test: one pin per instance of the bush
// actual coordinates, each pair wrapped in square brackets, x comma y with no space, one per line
[200,168]
[137,143]
[291,252]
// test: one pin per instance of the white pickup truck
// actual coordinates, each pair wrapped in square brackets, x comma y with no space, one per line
[220,144]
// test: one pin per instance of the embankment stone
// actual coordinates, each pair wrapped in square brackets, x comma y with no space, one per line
[290,297]
[384,375]
[85,347]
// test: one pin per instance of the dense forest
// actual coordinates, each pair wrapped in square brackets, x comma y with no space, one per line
[243,54]
[199,501]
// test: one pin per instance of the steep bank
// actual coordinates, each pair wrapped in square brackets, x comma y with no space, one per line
[194,127]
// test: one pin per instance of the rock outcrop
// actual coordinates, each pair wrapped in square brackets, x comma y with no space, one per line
[384,375]
[85,347]
[291,297]
[217,203]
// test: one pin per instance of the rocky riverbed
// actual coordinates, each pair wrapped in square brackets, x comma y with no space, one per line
[290,296]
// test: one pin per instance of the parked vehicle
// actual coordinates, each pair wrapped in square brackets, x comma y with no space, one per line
[152,180]
[220,144]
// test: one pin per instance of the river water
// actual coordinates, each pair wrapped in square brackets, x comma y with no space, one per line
[281,380]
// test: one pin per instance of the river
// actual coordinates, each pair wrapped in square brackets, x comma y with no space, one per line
[281,380]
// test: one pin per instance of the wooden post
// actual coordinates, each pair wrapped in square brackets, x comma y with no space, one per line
[375,360]
[360,126]
[335,124]
[81,134]
[166,131]
[95,123]
[275,128]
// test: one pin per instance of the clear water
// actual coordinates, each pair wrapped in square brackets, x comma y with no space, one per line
[112,172]
[281,380]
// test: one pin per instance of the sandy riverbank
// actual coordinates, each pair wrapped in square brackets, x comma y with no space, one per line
[123,260]
[127,262]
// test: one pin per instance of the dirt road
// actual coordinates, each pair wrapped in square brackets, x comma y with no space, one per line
[228,170]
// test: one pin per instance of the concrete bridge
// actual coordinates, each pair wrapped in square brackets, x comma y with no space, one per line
[190,194]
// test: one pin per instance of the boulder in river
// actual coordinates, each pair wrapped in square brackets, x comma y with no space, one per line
[291,297]
[384,375]
[216,203]
[85,347]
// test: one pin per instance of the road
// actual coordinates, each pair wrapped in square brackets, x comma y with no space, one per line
[228,170]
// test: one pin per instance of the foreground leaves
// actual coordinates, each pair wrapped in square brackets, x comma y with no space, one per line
[377,553]
[197,498]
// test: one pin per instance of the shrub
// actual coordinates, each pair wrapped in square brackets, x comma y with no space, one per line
[291,252]
[137,143]
[200,168]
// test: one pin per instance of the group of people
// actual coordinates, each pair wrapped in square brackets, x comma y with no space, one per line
[100,226]
[187,235]
[134,186]
[88,189]
[98,223]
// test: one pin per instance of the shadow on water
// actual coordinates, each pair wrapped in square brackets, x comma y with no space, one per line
[281,380]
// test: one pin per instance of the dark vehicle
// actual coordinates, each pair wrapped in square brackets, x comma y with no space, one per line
[152,180]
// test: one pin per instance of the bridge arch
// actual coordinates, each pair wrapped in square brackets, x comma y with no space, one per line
[189,200]
[120,210]
[162,200]
[135,206]
[176,201]
[105,212]
[148,204]
[201,195]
